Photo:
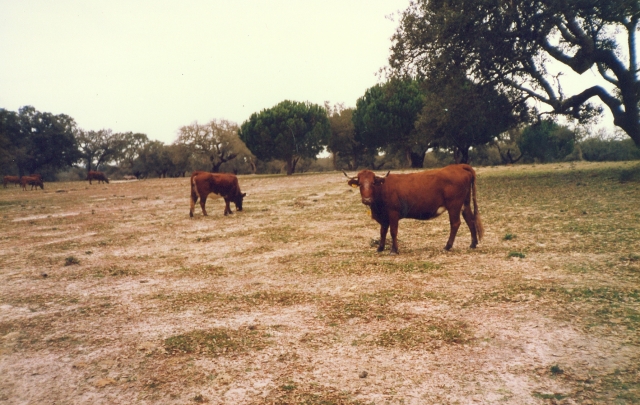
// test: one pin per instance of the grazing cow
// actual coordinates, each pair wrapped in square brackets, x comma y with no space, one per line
[10,179]
[130,177]
[423,196]
[223,184]
[31,180]
[97,176]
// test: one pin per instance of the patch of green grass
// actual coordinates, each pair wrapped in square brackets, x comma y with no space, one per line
[427,334]
[217,341]
[555,370]
[509,236]
[71,260]
[516,254]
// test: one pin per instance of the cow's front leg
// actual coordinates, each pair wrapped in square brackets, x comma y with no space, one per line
[393,222]
[227,207]
[454,221]
[383,236]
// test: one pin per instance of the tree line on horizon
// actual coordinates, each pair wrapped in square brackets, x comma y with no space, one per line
[456,91]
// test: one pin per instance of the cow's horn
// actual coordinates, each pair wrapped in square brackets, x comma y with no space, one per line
[387,173]
[345,173]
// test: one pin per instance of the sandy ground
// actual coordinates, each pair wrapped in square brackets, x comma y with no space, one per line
[111,294]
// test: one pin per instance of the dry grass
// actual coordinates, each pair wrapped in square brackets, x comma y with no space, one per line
[111,294]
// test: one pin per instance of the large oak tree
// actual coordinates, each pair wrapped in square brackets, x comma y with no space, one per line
[513,44]
[217,141]
[37,141]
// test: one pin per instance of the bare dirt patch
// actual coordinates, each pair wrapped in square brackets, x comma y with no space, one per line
[111,294]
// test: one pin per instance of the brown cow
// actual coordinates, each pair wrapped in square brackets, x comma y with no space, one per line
[31,180]
[423,196]
[92,175]
[10,179]
[223,184]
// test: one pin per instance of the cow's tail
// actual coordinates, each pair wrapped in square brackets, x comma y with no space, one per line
[476,215]
[194,195]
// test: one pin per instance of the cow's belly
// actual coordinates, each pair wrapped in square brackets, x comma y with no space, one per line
[424,214]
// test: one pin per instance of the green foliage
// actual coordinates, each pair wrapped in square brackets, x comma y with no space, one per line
[513,45]
[519,255]
[600,148]
[71,260]
[36,142]
[459,114]
[97,148]
[289,131]
[384,119]
[546,141]
[348,152]
[216,142]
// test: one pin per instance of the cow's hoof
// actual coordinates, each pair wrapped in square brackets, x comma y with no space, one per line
[473,246]
[191,214]
[447,247]
[380,248]
[393,253]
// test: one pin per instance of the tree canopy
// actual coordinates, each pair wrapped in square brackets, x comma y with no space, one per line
[515,43]
[384,119]
[218,141]
[347,151]
[37,141]
[288,131]
[459,114]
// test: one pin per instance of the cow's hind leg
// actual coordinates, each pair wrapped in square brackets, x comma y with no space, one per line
[193,200]
[203,201]
[454,221]
[383,236]
[471,223]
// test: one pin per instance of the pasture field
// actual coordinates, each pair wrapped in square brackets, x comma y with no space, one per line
[287,301]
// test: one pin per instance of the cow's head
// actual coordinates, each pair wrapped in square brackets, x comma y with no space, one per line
[366,180]
[238,200]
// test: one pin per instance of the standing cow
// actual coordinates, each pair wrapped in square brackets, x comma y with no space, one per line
[93,175]
[10,179]
[34,181]
[223,184]
[423,195]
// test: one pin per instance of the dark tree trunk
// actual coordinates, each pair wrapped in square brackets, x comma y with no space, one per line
[461,155]
[417,160]
[291,165]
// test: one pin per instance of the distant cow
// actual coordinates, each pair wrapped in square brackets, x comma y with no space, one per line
[423,196]
[223,184]
[130,177]
[10,179]
[92,175]
[31,180]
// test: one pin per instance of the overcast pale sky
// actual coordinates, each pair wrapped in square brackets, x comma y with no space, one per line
[153,66]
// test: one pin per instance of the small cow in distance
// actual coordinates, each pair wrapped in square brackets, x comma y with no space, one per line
[93,175]
[223,184]
[10,179]
[423,195]
[31,180]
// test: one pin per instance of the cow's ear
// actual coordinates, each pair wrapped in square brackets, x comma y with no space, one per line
[353,182]
[244,194]
[378,180]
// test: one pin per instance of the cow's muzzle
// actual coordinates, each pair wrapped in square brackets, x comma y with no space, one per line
[367,200]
